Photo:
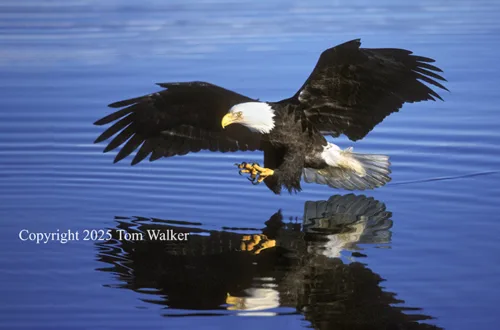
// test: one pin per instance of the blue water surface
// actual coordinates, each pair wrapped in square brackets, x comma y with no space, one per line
[62,62]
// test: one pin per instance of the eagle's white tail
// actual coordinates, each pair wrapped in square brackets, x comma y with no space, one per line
[349,170]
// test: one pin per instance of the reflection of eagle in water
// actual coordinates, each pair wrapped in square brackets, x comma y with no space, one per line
[350,90]
[220,272]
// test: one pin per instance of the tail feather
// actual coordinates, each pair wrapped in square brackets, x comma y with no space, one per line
[354,171]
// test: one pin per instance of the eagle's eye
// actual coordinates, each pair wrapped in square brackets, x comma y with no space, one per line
[239,114]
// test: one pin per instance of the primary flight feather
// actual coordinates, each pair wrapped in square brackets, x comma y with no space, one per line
[350,91]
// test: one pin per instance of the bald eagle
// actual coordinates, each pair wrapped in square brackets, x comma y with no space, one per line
[350,91]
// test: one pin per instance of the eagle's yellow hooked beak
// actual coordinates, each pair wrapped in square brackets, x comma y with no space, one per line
[231,118]
[228,119]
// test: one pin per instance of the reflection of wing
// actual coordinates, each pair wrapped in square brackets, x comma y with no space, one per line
[186,117]
[339,214]
[192,274]
[198,274]
[352,89]
[335,295]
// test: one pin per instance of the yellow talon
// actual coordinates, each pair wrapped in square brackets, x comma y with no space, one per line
[266,245]
[256,243]
[257,173]
[236,303]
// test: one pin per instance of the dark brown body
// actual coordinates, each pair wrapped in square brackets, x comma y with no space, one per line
[293,144]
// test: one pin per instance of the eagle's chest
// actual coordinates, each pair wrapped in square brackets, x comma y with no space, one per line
[294,133]
[288,132]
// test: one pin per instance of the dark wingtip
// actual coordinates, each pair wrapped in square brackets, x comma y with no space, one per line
[99,139]
[423,59]
[108,148]
[429,66]
[113,116]
[119,104]
[356,41]
[436,95]
[168,85]
[100,122]
[424,72]
[430,81]
[132,101]
[118,158]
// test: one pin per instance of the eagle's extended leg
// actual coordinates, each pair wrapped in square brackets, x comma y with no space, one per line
[257,173]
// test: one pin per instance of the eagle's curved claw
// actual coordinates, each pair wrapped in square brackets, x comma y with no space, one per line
[257,173]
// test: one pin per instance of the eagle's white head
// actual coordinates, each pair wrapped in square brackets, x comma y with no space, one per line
[257,116]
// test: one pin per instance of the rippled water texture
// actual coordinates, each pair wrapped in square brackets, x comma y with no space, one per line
[431,234]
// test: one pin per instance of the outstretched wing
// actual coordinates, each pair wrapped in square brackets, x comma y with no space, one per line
[352,89]
[185,117]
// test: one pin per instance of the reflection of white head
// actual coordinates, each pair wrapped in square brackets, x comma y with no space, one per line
[257,116]
[257,299]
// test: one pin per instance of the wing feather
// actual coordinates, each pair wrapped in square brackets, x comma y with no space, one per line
[121,138]
[115,128]
[185,117]
[132,144]
[143,152]
[352,89]
[112,117]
